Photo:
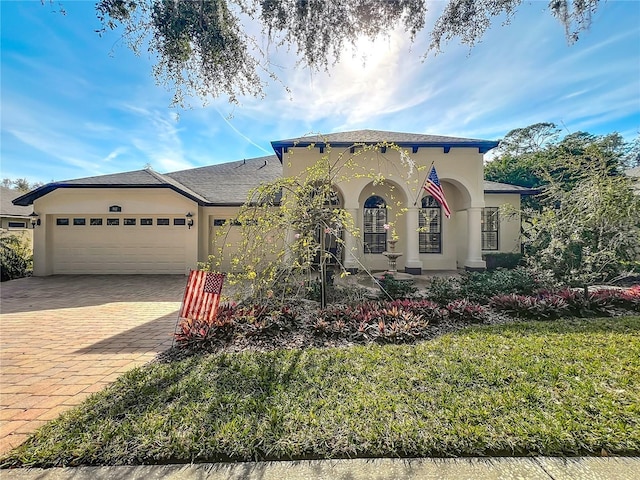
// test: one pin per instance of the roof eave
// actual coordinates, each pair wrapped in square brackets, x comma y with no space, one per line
[483,146]
[29,198]
[521,192]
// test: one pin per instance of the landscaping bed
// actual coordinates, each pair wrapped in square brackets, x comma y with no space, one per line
[482,365]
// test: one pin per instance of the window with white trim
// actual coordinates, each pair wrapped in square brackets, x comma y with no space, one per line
[430,223]
[490,224]
[375,218]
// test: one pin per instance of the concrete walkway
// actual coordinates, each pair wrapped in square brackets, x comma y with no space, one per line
[65,337]
[538,468]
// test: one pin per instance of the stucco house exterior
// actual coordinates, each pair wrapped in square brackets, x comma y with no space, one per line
[146,222]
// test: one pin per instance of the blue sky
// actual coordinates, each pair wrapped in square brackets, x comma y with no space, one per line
[75,104]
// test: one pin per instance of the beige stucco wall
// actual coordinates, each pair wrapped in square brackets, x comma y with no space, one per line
[462,168]
[460,172]
[509,226]
[135,202]
[220,243]
[215,239]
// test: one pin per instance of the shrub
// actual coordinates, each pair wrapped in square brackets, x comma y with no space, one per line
[396,321]
[467,311]
[481,286]
[426,308]
[603,302]
[524,306]
[15,258]
[335,293]
[574,302]
[191,333]
[502,260]
[392,288]
[443,290]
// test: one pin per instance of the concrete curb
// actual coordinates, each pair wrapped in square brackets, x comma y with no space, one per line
[534,468]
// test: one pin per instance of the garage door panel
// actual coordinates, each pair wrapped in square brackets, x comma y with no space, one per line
[118,249]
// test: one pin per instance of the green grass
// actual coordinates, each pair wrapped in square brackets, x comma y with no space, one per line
[555,388]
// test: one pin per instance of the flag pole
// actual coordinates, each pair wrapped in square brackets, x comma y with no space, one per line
[423,183]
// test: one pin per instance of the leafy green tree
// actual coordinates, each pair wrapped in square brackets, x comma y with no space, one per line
[205,47]
[588,229]
[526,156]
[20,184]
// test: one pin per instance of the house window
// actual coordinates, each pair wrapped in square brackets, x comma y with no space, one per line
[430,223]
[490,222]
[146,221]
[375,218]
[17,224]
[79,221]
[95,221]
[179,221]
[219,222]
[62,221]
[129,221]
[162,221]
[113,221]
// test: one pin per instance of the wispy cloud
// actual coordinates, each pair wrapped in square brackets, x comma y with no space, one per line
[69,110]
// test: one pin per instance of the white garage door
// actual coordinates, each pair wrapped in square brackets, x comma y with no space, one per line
[119,244]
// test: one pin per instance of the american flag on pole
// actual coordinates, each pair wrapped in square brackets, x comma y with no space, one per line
[433,187]
[202,295]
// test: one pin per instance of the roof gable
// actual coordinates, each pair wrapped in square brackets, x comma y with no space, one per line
[135,179]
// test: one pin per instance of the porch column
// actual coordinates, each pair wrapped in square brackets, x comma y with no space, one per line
[474,240]
[351,245]
[413,265]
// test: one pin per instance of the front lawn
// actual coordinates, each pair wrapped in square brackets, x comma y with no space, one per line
[566,387]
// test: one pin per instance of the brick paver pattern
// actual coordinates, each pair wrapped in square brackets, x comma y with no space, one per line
[63,338]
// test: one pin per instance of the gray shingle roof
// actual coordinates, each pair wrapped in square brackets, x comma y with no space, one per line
[229,183]
[414,140]
[7,208]
[135,179]
[497,187]
[375,136]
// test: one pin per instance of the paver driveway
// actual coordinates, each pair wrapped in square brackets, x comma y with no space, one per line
[65,337]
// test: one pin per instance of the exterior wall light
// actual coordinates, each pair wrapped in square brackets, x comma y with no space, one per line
[35,220]
[189,216]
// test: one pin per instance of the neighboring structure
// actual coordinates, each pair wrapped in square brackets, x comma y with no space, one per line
[14,219]
[146,222]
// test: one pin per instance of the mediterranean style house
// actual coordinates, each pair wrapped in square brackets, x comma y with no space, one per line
[146,222]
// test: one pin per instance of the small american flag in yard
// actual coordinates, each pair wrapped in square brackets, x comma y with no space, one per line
[433,187]
[202,295]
